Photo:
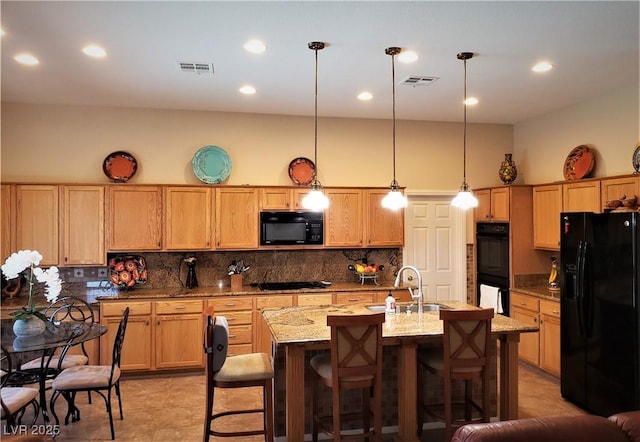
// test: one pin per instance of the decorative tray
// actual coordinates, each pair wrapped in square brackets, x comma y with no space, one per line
[119,166]
[579,163]
[301,171]
[211,164]
[127,271]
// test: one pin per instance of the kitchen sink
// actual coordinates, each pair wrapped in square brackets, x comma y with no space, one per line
[412,307]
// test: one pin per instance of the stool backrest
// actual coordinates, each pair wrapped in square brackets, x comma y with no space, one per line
[217,342]
[356,348]
[467,334]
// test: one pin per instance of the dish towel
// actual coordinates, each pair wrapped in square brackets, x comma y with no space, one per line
[490,297]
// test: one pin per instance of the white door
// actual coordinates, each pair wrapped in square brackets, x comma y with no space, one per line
[435,244]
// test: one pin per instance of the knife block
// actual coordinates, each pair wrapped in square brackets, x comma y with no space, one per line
[236,281]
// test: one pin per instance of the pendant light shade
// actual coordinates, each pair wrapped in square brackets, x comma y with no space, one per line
[464,199]
[394,200]
[315,200]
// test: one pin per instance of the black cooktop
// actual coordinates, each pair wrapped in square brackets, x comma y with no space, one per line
[291,285]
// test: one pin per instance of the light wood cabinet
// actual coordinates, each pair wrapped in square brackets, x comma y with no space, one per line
[282,198]
[37,221]
[352,297]
[239,313]
[236,218]
[616,188]
[493,204]
[525,309]
[135,218]
[581,197]
[315,299]
[382,227]
[547,206]
[343,218]
[8,222]
[83,225]
[262,341]
[136,349]
[188,218]
[550,336]
[178,334]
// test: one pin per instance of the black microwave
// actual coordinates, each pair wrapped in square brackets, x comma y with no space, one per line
[288,228]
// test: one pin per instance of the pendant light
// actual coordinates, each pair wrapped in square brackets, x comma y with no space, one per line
[394,200]
[315,200]
[464,199]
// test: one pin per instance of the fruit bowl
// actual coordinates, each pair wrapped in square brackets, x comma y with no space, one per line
[366,272]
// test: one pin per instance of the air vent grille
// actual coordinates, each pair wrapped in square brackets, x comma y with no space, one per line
[198,68]
[418,80]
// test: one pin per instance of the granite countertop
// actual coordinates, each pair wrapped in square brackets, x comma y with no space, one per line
[308,324]
[541,291]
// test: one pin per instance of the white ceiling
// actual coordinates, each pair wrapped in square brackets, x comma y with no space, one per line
[593,45]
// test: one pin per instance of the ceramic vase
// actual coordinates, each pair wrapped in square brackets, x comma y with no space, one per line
[33,326]
[508,171]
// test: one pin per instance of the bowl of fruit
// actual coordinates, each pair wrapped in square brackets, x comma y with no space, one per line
[366,272]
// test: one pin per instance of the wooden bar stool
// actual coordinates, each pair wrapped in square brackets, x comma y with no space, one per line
[355,362]
[249,370]
[464,357]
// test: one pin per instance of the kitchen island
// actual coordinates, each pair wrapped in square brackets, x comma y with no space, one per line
[297,331]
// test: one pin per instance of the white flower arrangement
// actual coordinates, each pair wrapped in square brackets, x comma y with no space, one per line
[30,259]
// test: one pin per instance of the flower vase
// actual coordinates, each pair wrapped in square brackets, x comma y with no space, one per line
[508,171]
[33,326]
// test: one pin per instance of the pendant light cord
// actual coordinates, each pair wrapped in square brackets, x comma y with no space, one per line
[464,130]
[315,124]
[393,105]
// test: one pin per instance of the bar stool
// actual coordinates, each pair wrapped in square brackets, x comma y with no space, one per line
[464,357]
[248,370]
[355,362]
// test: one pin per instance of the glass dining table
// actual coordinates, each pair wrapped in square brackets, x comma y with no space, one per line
[55,336]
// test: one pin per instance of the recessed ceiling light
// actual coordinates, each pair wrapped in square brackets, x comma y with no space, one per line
[94,51]
[543,66]
[471,101]
[255,46]
[407,56]
[365,96]
[27,59]
[247,90]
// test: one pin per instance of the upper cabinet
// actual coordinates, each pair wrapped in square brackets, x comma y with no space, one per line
[282,198]
[135,218]
[382,227]
[236,218]
[343,219]
[547,206]
[493,205]
[188,214]
[581,197]
[37,219]
[617,188]
[83,225]
[8,222]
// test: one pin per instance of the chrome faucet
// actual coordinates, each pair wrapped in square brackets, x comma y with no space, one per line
[418,296]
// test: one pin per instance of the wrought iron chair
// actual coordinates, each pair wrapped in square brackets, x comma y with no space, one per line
[99,378]
[15,400]
[355,362]
[465,357]
[248,370]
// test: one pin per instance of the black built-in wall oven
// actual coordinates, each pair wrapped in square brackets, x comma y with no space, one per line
[492,260]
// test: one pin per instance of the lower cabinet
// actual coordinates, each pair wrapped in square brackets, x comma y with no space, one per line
[263,334]
[136,349]
[239,313]
[541,348]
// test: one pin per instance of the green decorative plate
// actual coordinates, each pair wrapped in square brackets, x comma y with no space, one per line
[211,164]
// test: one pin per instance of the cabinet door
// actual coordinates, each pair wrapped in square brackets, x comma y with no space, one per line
[8,223]
[83,225]
[188,215]
[547,205]
[262,339]
[616,188]
[343,218]
[500,205]
[529,342]
[136,349]
[135,218]
[37,225]
[483,211]
[350,298]
[275,198]
[550,336]
[581,197]
[298,195]
[236,218]
[383,227]
[178,341]
[315,299]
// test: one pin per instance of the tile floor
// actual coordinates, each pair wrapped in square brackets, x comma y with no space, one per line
[170,409]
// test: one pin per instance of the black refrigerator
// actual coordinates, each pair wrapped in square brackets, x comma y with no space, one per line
[599,322]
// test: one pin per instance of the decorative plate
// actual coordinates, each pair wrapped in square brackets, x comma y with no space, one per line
[211,164]
[579,163]
[119,166]
[301,171]
[127,271]
[636,159]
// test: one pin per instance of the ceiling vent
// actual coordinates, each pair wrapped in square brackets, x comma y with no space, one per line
[198,68]
[418,80]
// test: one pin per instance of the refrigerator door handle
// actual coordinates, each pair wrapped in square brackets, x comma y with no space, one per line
[579,287]
[587,288]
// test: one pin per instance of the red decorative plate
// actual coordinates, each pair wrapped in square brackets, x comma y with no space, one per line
[579,163]
[127,271]
[119,166]
[301,171]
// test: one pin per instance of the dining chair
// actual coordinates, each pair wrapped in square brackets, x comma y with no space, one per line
[99,378]
[15,400]
[354,362]
[465,356]
[239,371]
